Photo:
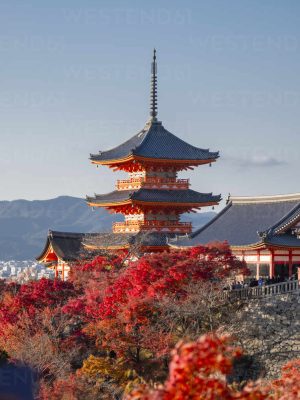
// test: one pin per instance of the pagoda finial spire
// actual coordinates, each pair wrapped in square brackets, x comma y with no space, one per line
[153,100]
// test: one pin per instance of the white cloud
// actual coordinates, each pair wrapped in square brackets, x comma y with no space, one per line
[259,161]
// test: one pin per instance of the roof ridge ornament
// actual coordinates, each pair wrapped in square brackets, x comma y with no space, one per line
[228,198]
[153,93]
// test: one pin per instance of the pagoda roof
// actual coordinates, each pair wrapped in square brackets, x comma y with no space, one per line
[154,196]
[251,221]
[155,142]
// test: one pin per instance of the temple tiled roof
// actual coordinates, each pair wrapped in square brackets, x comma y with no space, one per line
[115,240]
[152,239]
[286,221]
[154,141]
[155,195]
[283,240]
[66,245]
[107,240]
[69,246]
[248,221]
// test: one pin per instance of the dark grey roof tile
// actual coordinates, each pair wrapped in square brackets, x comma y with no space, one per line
[240,223]
[283,240]
[154,141]
[67,245]
[156,195]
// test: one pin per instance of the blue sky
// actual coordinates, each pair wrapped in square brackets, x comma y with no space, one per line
[75,79]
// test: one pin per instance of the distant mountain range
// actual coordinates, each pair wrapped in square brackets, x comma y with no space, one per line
[24,224]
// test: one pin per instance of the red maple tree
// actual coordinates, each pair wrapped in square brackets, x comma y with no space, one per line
[121,304]
[198,371]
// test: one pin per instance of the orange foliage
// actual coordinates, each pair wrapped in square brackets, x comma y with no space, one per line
[198,371]
[288,386]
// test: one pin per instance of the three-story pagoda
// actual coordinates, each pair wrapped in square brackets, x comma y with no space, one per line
[153,198]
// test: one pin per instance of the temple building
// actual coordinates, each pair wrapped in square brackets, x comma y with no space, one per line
[153,197]
[264,231]
[61,249]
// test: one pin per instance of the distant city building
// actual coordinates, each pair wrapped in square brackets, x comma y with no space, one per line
[23,271]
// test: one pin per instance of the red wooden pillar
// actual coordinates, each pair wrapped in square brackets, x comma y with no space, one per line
[272,265]
[290,263]
[63,271]
[243,255]
[257,264]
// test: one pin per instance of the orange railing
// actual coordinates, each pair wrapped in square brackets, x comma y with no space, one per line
[152,182]
[135,226]
[133,183]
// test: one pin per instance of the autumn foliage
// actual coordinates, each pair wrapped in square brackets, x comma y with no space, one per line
[109,331]
[32,297]
[198,370]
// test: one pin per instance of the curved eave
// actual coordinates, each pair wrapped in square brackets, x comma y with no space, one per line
[233,247]
[109,204]
[253,246]
[112,161]
[154,203]
[46,251]
[145,248]
[250,246]
[109,247]
[285,246]
[263,245]
[154,160]
[49,248]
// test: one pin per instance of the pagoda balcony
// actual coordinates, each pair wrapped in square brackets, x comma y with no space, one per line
[156,226]
[153,183]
